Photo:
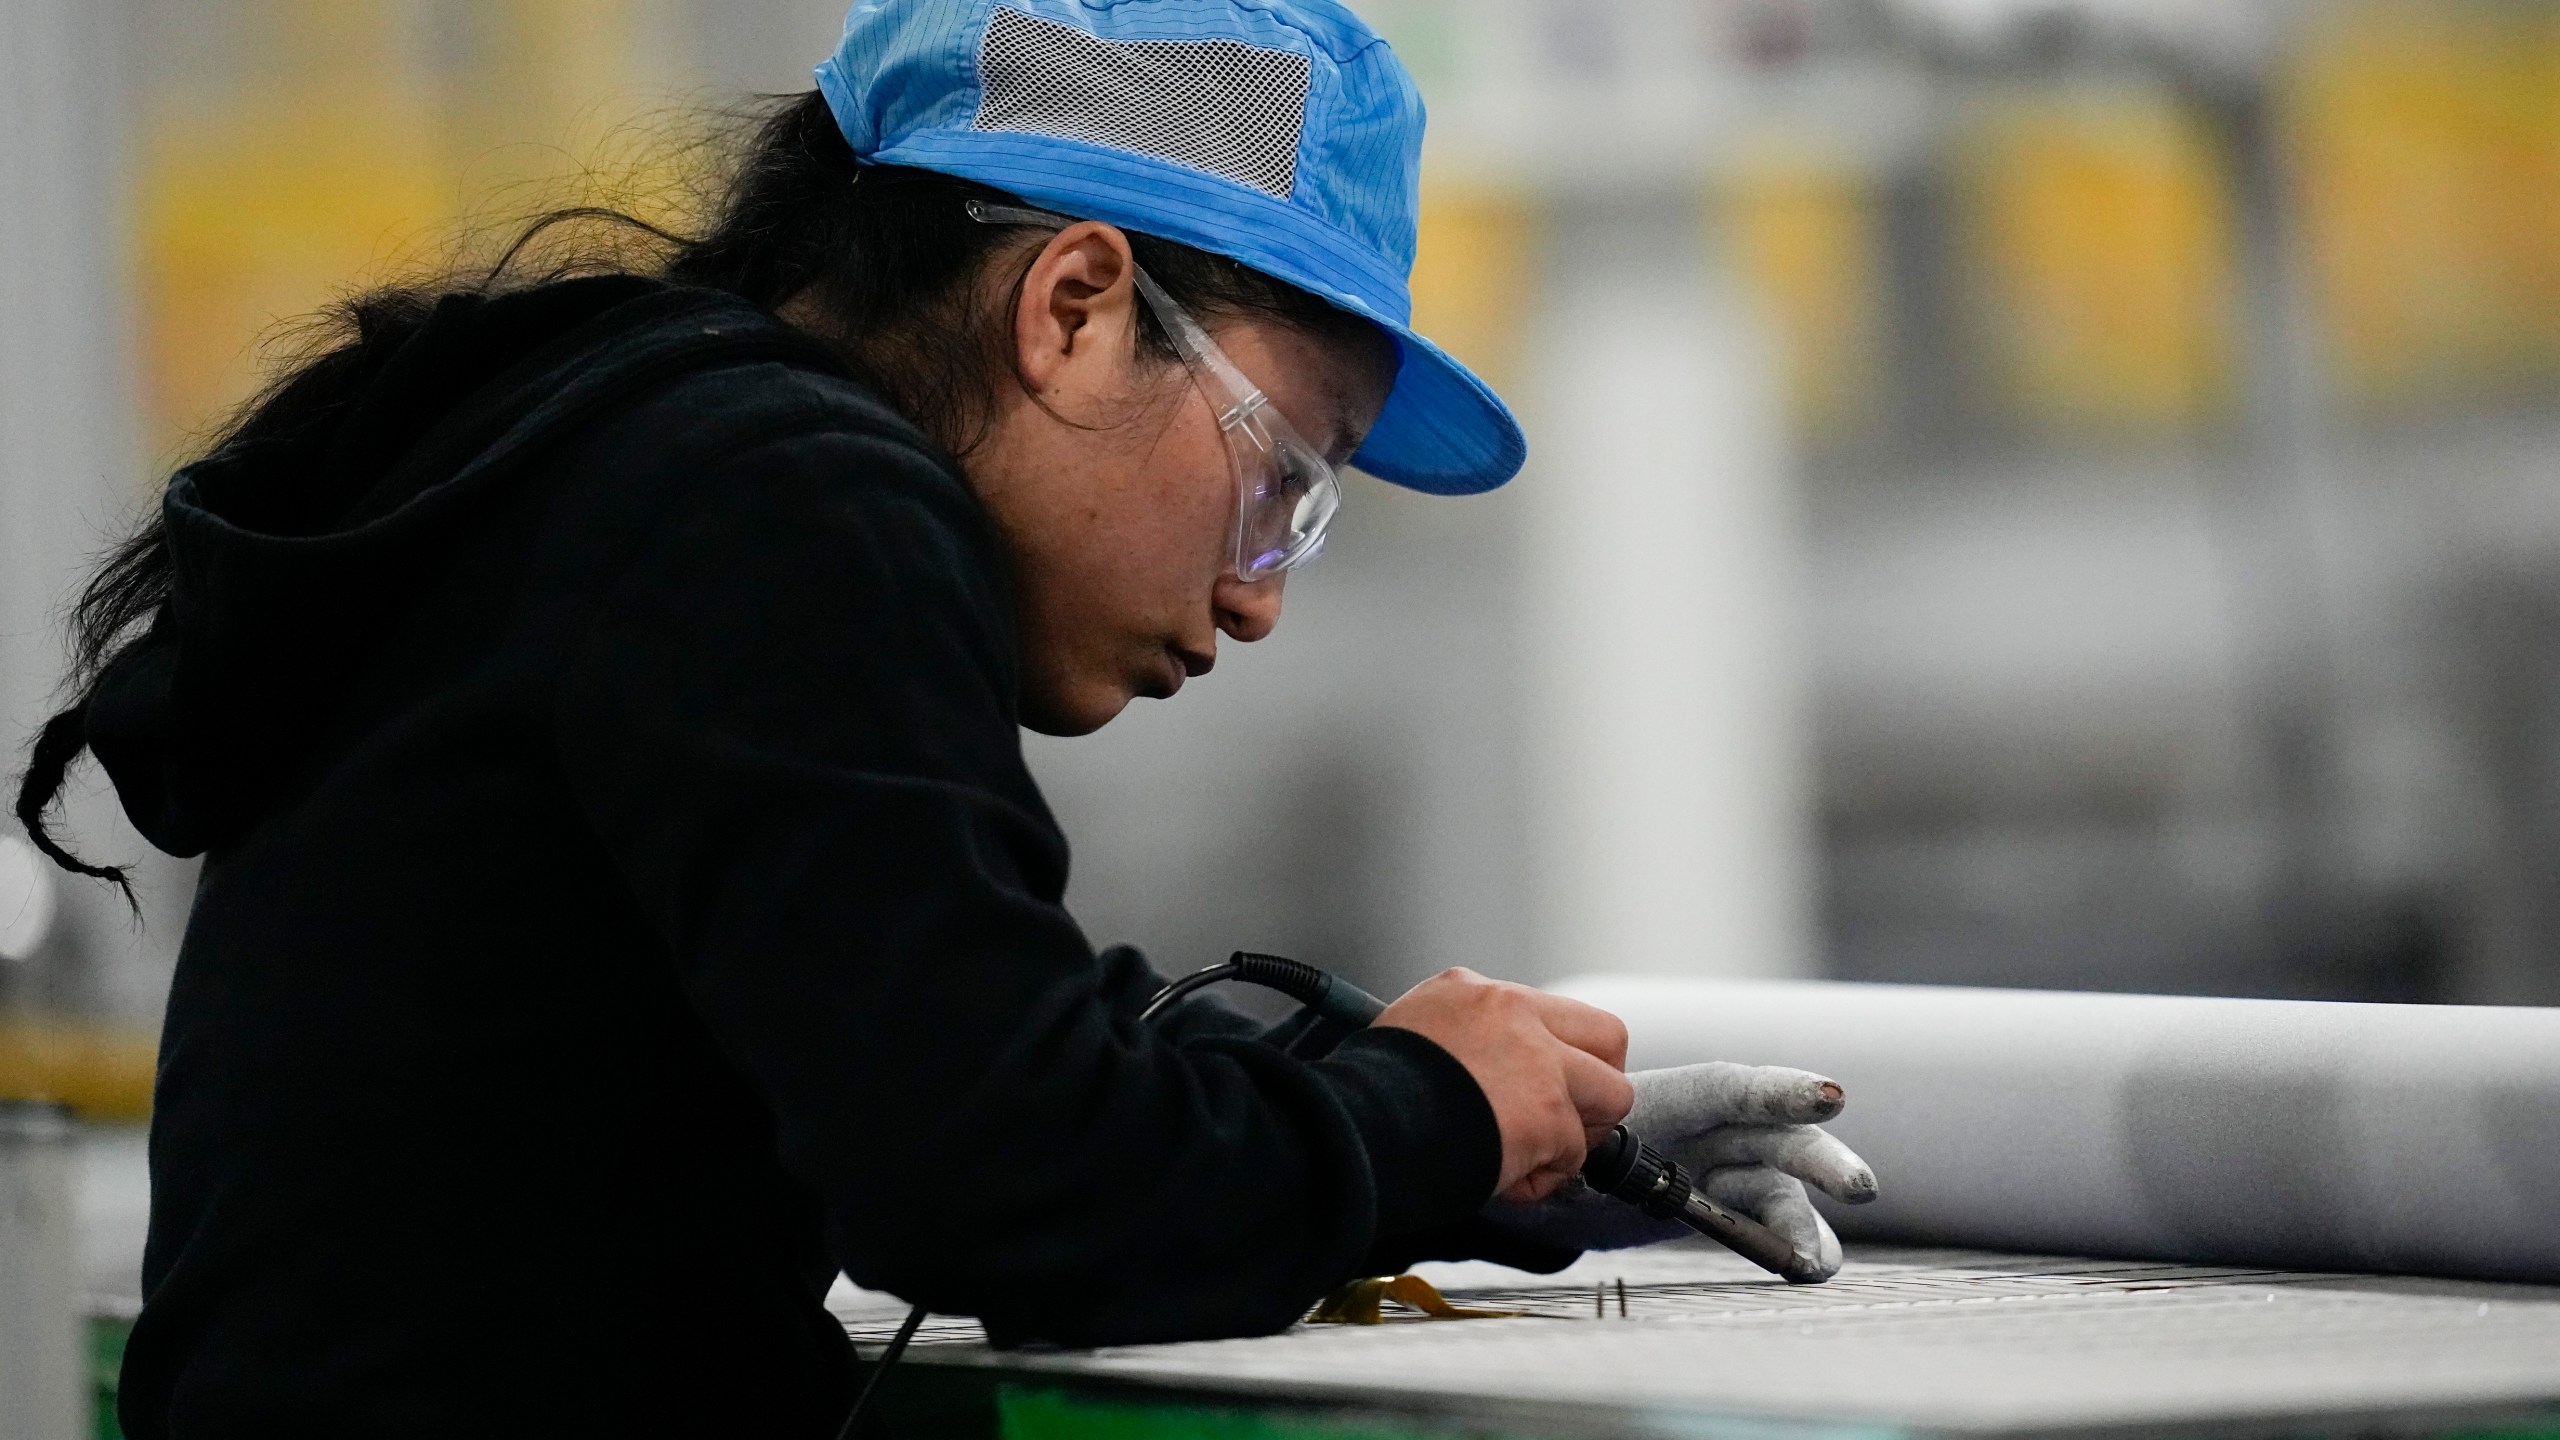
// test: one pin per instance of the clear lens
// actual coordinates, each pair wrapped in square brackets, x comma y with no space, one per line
[1288,496]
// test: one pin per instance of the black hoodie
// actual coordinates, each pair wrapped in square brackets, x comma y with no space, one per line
[625,904]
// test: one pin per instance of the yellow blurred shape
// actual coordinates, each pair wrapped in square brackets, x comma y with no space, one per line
[556,60]
[102,1074]
[264,213]
[2098,228]
[1472,276]
[1804,234]
[2425,139]
[556,105]
[265,196]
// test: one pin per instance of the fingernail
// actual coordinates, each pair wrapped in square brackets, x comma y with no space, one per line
[1832,1092]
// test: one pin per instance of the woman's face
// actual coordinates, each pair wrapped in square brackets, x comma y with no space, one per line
[1111,484]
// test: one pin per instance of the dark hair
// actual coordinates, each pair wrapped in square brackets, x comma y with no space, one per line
[890,257]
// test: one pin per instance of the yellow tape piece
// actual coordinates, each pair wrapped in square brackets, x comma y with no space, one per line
[1363,1302]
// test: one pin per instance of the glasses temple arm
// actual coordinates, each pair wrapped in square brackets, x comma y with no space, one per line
[1188,337]
[1196,347]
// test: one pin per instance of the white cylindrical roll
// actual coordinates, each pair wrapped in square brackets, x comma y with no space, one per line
[2411,1138]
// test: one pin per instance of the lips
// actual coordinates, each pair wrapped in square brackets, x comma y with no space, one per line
[1179,665]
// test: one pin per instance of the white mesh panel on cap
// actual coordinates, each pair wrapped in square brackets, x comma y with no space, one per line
[1230,109]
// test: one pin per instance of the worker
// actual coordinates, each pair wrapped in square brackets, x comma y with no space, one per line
[596,687]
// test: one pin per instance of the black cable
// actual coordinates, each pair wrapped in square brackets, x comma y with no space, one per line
[1323,991]
[880,1368]
[1196,980]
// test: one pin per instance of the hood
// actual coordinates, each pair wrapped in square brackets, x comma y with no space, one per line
[293,546]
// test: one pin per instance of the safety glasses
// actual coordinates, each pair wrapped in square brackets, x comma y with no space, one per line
[1287,492]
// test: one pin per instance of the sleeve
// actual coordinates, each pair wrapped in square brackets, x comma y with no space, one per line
[1474,1237]
[789,723]
[1130,982]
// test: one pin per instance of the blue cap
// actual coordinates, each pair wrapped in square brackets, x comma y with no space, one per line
[1282,133]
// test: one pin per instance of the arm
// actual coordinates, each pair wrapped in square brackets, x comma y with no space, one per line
[791,728]
[1131,982]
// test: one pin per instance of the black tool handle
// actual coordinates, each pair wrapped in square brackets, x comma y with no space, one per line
[1320,990]
[1626,1168]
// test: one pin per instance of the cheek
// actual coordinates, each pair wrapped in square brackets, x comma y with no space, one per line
[1134,561]
[1213,498]
[1193,502]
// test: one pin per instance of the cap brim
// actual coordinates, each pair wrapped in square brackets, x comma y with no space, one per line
[1442,430]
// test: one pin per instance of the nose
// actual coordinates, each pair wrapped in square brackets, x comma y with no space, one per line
[1248,610]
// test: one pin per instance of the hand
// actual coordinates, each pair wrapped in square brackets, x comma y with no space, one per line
[1553,1069]
[1748,1134]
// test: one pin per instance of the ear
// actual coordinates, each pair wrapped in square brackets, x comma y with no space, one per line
[1077,307]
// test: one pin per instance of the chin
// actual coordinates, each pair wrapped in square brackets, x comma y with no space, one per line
[1081,713]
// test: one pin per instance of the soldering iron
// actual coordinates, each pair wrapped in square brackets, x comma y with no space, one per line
[1621,1166]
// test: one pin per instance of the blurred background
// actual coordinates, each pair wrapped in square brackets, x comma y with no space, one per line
[2047,494]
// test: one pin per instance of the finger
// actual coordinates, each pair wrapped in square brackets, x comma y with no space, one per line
[1586,1028]
[1779,1202]
[1807,1152]
[1690,1100]
[1537,1185]
[1600,1094]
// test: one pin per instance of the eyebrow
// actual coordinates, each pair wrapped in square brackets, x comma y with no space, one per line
[1338,438]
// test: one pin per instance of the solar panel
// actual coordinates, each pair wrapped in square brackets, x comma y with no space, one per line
[1920,1338]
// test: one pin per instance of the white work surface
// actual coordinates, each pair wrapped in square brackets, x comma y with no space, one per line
[1903,1338]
